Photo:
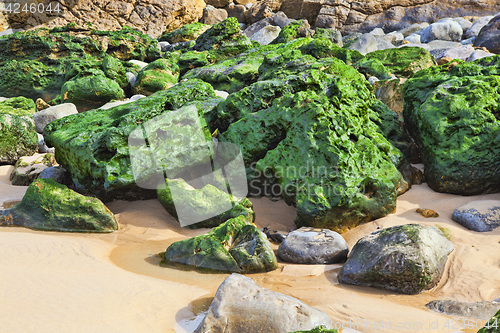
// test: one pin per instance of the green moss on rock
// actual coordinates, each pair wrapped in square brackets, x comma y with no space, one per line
[234,246]
[206,201]
[319,329]
[308,131]
[293,31]
[406,258]
[452,112]
[114,69]
[404,61]
[159,75]
[18,106]
[185,33]
[48,205]
[17,138]
[93,146]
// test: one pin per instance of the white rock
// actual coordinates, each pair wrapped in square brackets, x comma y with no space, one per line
[266,35]
[414,28]
[42,118]
[42,146]
[221,93]
[162,46]
[444,30]
[110,105]
[366,43]
[373,79]
[378,32]
[462,52]
[413,39]
[131,78]
[468,41]
[393,37]
[478,54]
[139,63]
[240,306]
[136,97]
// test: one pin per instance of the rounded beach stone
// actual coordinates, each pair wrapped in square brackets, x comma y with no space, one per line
[313,246]
[479,215]
[42,118]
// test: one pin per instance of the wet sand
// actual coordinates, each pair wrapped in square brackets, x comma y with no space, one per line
[113,283]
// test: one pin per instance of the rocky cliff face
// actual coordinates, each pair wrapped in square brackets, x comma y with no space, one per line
[153,17]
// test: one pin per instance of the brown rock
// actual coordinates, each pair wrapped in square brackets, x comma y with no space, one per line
[243,2]
[444,60]
[390,92]
[261,10]
[218,3]
[237,11]
[427,212]
[154,17]
[489,36]
[41,104]
[212,15]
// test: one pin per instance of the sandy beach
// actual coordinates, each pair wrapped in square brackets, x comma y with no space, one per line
[66,282]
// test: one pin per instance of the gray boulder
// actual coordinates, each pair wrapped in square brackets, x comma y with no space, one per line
[444,30]
[42,118]
[366,43]
[255,27]
[27,168]
[478,24]
[414,28]
[313,246]
[479,310]
[489,36]
[479,54]
[266,35]
[406,258]
[462,52]
[58,173]
[480,215]
[242,306]
[413,39]
[42,146]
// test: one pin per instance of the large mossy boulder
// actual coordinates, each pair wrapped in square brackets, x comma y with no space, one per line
[93,146]
[18,106]
[159,75]
[306,134]
[406,258]
[234,246]
[209,206]
[17,137]
[404,61]
[91,91]
[48,205]
[453,113]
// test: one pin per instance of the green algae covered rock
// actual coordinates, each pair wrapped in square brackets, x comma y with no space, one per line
[406,258]
[308,130]
[93,146]
[205,202]
[185,33]
[404,61]
[18,106]
[453,114]
[234,246]
[493,325]
[372,67]
[293,31]
[17,138]
[224,39]
[91,91]
[114,69]
[48,205]
[161,74]
[36,63]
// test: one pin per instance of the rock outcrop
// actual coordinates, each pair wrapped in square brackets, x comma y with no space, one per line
[149,16]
